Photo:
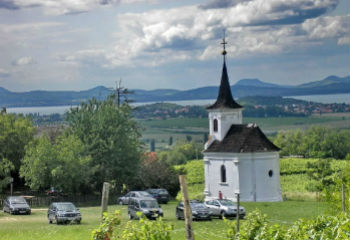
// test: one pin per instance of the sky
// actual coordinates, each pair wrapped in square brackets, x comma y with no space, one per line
[153,44]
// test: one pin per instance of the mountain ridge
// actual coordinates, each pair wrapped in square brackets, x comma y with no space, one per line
[245,87]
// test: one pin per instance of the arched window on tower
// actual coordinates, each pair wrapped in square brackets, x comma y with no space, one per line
[215,125]
[223,173]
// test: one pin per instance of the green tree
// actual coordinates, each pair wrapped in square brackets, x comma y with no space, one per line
[15,132]
[320,172]
[63,164]
[317,142]
[111,137]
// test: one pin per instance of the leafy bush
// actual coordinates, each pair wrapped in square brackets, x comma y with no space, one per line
[106,229]
[194,171]
[256,227]
[142,230]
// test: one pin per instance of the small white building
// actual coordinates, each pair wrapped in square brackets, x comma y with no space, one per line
[238,157]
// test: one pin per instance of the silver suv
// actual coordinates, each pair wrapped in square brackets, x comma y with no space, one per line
[63,212]
[224,208]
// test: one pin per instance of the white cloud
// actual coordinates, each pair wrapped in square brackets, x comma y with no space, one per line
[4,73]
[328,27]
[192,32]
[59,7]
[23,61]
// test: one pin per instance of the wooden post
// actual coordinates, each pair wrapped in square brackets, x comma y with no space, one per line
[105,196]
[11,185]
[187,208]
[343,196]
[237,215]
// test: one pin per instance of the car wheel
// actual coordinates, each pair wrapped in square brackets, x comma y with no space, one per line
[222,215]
[78,222]
[120,202]
[50,221]
[57,222]
[130,217]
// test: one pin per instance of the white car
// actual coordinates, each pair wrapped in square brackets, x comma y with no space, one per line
[224,208]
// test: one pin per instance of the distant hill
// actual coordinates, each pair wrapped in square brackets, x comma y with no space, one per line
[243,88]
[257,83]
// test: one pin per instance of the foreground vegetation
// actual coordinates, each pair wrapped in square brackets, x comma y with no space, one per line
[36,227]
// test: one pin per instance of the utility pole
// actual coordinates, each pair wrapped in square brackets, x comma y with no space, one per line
[187,208]
[121,91]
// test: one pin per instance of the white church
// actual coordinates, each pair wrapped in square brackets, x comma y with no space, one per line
[238,158]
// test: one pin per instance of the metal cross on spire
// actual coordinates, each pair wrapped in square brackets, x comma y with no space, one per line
[224,46]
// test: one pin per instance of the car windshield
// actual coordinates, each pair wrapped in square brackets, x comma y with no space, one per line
[18,201]
[227,202]
[66,207]
[197,205]
[163,191]
[149,204]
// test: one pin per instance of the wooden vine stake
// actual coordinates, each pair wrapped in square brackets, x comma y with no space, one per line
[343,197]
[187,208]
[104,200]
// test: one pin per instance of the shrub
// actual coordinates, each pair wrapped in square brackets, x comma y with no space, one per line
[142,230]
[257,227]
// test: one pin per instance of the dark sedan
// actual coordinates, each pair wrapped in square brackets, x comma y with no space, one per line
[160,194]
[16,205]
[199,211]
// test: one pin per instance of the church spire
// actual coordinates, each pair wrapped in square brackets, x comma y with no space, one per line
[225,99]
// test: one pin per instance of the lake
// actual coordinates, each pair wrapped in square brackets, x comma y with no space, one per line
[329,98]
[62,109]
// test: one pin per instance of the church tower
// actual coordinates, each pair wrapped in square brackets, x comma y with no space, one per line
[225,111]
[238,158]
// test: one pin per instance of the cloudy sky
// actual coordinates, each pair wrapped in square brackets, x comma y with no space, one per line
[80,44]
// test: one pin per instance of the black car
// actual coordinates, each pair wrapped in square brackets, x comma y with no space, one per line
[63,212]
[199,211]
[160,194]
[16,205]
[147,206]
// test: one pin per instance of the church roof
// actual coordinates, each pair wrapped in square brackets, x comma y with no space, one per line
[243,138]
[225,99]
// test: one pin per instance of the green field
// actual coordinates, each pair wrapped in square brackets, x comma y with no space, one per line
[179,128]
[36,227]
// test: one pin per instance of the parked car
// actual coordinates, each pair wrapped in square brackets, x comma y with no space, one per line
[124,200]
[148,207]
[16,205]
[199,211]
[160,194]
[224,208]
[63,212]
